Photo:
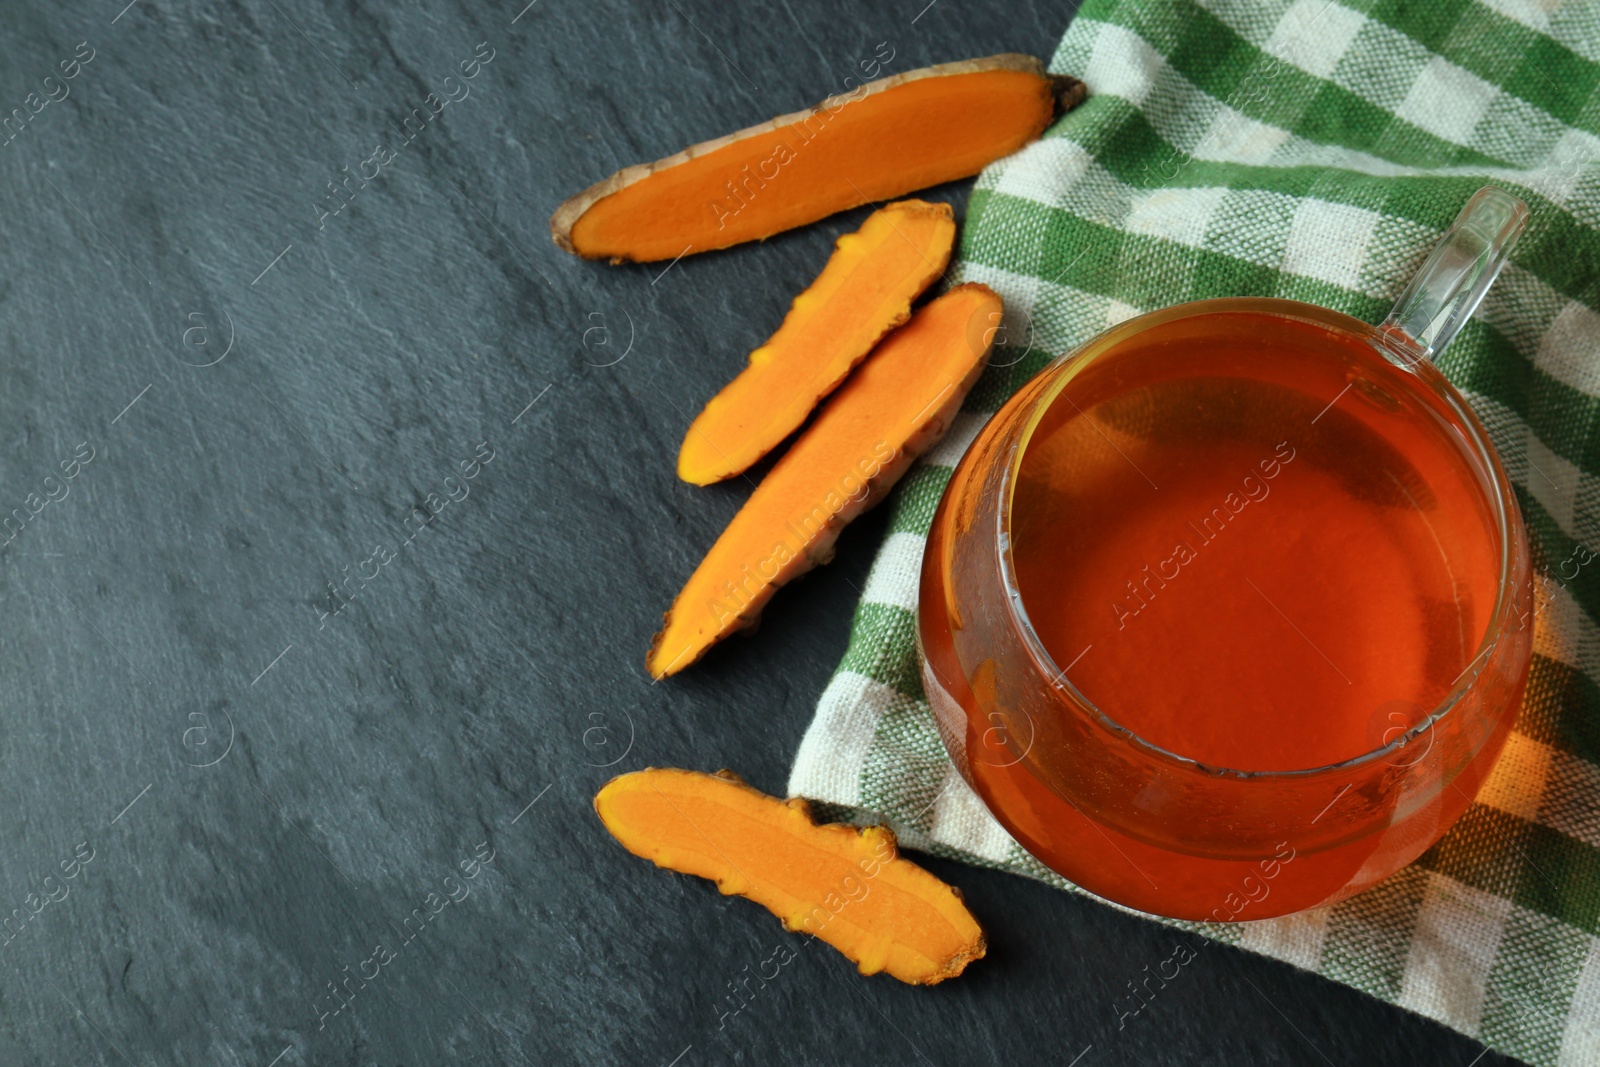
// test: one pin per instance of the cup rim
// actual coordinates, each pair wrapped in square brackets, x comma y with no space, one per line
[1501,498]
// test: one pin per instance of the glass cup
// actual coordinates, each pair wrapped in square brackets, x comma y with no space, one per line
[1237,711]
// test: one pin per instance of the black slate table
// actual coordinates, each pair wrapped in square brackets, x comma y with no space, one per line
[269,715]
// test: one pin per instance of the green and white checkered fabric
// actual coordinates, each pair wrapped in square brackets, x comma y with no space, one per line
[1315,150]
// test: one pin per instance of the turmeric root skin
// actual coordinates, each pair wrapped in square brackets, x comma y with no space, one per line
[881,141]
[896,406]
[846,886]
[865,291]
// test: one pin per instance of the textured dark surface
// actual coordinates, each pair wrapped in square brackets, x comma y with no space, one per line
[268,793]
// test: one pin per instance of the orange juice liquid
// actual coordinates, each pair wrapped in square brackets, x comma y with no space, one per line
[1251,541]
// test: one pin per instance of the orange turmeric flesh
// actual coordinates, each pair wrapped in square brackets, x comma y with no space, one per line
[895,406]
[865,291]
[846,886]
[880,141]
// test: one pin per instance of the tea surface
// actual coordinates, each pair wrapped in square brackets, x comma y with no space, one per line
[1249,540]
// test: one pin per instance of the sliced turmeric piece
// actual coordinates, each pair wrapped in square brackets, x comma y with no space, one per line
[879,141]
[844,885]
[896,405]
[865,291]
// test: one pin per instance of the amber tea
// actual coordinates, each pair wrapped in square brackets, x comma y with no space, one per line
[1225,614]
[1265,573]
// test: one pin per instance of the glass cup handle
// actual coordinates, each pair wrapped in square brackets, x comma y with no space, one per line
[1447,290]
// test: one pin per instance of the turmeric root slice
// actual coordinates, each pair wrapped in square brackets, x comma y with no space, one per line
[893,408]
[846,886]
[865,291]
[880,141]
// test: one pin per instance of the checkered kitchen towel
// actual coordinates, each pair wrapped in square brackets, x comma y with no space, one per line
[1315,150]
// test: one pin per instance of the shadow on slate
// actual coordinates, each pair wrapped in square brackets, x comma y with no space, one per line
[291,719]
